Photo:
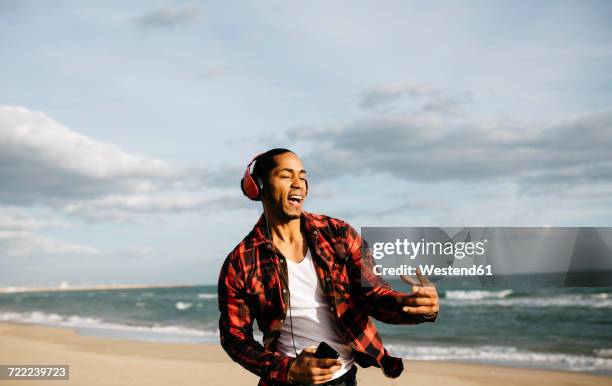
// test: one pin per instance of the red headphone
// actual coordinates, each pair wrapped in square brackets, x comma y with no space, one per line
[251,185]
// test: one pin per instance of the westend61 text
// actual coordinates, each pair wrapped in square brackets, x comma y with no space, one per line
[431,270]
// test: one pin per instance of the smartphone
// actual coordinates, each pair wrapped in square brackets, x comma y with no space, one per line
[326,351]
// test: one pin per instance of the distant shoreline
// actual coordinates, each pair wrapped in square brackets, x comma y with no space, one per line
[91,287]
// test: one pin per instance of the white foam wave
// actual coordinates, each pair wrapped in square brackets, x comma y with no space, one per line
[183,306]
[575,300]
[503,354]
[603,352]
[37,317]
[207,296]
[476,294]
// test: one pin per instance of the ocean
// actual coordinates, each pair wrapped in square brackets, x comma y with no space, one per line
[522,325]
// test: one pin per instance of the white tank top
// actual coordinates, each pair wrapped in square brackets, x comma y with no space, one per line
[311,316]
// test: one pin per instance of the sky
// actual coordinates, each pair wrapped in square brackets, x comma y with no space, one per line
[125,127]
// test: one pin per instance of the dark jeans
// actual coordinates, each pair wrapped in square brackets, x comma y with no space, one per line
[347,379]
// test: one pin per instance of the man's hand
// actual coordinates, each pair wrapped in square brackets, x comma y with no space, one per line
[424,297]
[308,369]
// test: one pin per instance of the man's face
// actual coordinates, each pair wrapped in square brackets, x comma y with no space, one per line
[286,187]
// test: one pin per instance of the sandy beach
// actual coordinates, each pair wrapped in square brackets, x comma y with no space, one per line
[105,361]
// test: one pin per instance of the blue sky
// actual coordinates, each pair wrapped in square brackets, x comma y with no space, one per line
[125,127]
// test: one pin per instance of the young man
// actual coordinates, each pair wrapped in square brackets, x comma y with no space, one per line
[304,279]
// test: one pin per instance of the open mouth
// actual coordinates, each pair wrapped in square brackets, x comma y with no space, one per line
[296,199]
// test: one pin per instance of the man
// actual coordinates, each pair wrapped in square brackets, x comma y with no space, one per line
[302,276]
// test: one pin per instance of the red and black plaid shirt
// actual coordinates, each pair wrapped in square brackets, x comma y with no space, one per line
[253,286]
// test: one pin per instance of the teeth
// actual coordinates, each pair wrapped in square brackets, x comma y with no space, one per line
[296,196]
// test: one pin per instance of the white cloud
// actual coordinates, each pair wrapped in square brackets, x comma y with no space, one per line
[14,220]
[43,161]
[19,236]
[129,208]
[39,136]
[25,243]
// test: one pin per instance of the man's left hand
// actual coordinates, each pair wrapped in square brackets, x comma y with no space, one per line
[424,297]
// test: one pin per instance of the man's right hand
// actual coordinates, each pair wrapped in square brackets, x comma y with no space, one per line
[308,369]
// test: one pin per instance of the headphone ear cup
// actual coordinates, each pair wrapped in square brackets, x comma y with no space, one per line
[242,187]
[250,187]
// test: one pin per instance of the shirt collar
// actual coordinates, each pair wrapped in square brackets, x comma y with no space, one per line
[309,222]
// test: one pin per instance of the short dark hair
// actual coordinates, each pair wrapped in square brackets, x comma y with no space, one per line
[265,163]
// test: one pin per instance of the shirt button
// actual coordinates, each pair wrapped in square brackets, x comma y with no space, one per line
[315,232]
[282,260]
[327,279]
[268,246]
[284,291]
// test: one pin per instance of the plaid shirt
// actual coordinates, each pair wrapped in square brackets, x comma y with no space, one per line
[253,286]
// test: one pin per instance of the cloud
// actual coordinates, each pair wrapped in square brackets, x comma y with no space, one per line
[212,72]
[46,164]
[386,94]
[429,148]
[128,208]
[545,180]
[422,97]
[24,243]
[170,16]
[134,252]
[19,236]
[42,161]
[411,206]
[14,220]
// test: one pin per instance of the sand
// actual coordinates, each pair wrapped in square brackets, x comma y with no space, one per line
[105,361]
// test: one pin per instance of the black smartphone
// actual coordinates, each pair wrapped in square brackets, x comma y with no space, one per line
[326,351]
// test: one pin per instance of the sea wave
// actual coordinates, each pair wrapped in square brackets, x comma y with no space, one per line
[207,296]
[477,294]
[183,306]
[603,352]
[503,355]
[504,299]
[37,317]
